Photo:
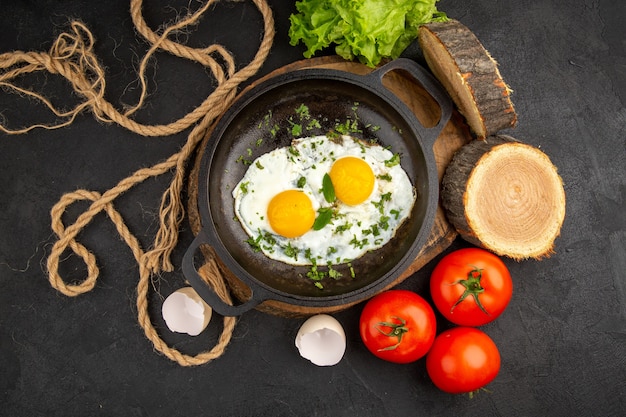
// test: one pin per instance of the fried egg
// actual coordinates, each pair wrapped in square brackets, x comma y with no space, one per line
[291,213]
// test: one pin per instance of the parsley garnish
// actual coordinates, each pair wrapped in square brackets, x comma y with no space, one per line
[380,205]
[303,111]
[328,189]
[333,273]
[343,227]
[384,222]
[324,216]
[296,129]
[358,243]
[313,124]
[243,160]
[314,273]
[373,230]
[291,252]
[393,161]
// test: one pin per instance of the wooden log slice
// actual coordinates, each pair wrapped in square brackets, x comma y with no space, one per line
[504,196]
[470,75]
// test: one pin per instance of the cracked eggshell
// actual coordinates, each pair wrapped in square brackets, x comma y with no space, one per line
[185,312]
[322,340]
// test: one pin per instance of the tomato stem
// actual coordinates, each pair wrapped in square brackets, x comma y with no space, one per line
[474,393]
[472,287]
[397,331]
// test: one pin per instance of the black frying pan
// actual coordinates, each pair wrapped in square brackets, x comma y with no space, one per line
[331,96]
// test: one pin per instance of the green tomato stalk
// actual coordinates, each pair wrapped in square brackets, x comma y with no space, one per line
[472,287]
[397,331]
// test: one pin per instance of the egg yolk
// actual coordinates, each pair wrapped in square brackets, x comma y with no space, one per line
[290,213]
[353,180]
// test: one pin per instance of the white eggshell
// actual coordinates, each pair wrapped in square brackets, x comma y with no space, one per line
[322,340]
[185,312]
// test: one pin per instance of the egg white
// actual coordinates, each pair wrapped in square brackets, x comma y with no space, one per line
[354,231]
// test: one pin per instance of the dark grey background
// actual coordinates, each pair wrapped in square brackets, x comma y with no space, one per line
[562,338]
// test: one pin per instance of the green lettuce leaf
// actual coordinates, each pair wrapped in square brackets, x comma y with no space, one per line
[368,30]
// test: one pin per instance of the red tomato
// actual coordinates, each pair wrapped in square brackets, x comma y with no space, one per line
[462,359]
[398,326]
[471,287]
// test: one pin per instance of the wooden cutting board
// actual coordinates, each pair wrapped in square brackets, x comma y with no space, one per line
[454,135]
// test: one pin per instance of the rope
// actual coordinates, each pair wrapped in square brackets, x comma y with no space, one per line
[72,57]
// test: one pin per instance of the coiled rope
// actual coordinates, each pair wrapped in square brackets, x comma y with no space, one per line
[72,56]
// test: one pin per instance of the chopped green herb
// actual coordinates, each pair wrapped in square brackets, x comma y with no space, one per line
[393,161]
[291,252]
[328,189]
[269,238]
[303,112]
[333,136]
[244,187]
[313,124]
[373,230]
[296,129]
[333,273]
[349,126]
[301,182]
[385,177]
[395,213]
[259,142]
[360,244]
[380,205]
[314,273]
[324,216]
[266,120]
[258,165]
[343,227]
[383,223]
[255,244]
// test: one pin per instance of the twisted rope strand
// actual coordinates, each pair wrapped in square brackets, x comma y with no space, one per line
[171,206]
[72,57]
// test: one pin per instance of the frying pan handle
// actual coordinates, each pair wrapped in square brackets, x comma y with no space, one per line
[206,292]
[429,83]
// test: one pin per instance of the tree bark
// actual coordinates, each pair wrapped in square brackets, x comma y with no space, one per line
[470,75]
